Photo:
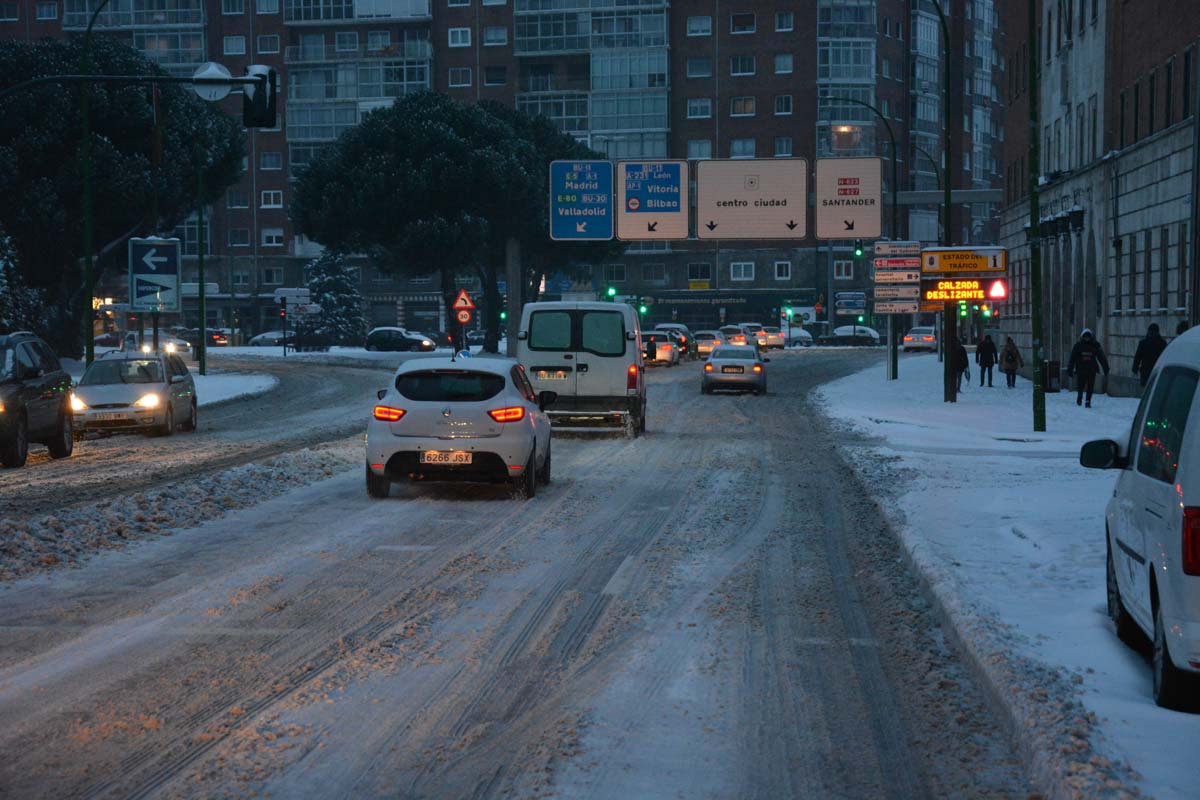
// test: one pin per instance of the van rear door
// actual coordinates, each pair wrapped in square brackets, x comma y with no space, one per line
[601,363]
[551,361]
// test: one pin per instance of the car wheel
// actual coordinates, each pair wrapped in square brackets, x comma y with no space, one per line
[1127,629]
[168,426]
[527,483]
[1173,688]
[378,486]
[544,474]
[63,442]
[13,454]
[192,422]
[371,348]
[641,423]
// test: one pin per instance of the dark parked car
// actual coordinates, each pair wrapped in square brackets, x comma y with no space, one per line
[216,338]
[441,338]
[35,395]
[398,339]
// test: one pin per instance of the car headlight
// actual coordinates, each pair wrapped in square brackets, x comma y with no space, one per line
[426,342]
[148,401]
[77,404]
[170,348]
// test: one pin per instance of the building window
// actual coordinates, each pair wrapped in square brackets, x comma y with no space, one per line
[699,107]
[699,148]
[699,67]
[783,146]
[654,273]
[1133,271]
[1181,273]
[614,273]
[1147,260]
[741,107]
[237,198]
[494,2]
[783,105]
[235,45]
[460,37]
[1186,107]
[1121,121]
[1164,245]
[699,26]
[272,237]
[495,35]
[345,41]
[784,21]
[268,44]
[741,23]
[233,6]
[272,276]
[843,270]
[741,148]
[270,159]
[495,76]
[239,237]
[272,198]
[241,279]
[783,63]
[1118,280]
[460,76]
[741,271]
[47,10]
[381,40]
[456,3]
[1168,92]
[1151,101]
[741,65]
[783,270]
[699,271]
[1137,111]
[267,6]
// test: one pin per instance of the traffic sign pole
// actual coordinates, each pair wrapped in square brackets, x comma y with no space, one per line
[202,350]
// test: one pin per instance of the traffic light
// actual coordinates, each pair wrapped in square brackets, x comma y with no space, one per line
[642,308]
[611,292]
[503,315]
[987,312]
[858,248]
[962,308]
[787,310]
[974,308]
[860,319]
[259,106]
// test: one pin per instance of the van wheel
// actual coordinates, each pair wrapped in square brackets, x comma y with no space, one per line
[1173,688]
[1127,629]
[378,486]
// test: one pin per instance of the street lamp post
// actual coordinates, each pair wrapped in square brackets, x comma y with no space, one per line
[949,320]
[1035,233]
[85,68]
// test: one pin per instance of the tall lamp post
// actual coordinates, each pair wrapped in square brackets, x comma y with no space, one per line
[1035,233]
[949,321]
[85,68]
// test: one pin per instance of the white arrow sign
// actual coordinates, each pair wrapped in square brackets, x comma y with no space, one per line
[152,261]
[581,227]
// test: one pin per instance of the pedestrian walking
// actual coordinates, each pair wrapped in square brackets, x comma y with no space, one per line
[1087,358]
[1182,327]
[985,357]
[1010,362]
[962,366]
[1148,351]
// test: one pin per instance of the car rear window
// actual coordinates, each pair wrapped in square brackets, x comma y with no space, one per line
[705,336]
[550,330]
[732,352]
[447,386]
[122,371]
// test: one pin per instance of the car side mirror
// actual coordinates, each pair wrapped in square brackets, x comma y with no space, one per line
[1102,454]
[382,393]
[522,335]
[630,335]
[178,378]
[31,372]
[546,398]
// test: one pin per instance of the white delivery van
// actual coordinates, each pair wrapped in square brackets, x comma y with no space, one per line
[590,355]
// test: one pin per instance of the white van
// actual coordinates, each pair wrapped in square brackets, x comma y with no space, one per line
[590,355]
[1153,523]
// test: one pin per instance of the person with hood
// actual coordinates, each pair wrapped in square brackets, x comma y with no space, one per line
[1010,361]
[1087,358]
[1148,351]
[985,357]
[962,366]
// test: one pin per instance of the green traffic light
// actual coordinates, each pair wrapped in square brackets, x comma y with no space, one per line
[612,291]
[503,315]
[860,319]
[642,309]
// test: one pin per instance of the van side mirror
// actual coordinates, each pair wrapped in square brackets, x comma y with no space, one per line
[382,393]
[546,398]
[1102,454]
[630,335]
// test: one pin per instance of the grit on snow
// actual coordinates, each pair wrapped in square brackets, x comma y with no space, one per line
[1008,530]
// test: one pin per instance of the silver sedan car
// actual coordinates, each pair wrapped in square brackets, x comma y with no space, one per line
[130,391]
[734,367]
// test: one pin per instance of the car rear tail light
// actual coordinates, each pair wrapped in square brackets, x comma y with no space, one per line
[631,377]
[1191,540]
[708,367]
[758,367]
[510,414]
[928,338]
[388,414]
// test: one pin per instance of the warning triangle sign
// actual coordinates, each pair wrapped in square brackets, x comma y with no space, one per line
[463,300]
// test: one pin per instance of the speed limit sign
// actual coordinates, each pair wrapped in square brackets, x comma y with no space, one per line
[463,315]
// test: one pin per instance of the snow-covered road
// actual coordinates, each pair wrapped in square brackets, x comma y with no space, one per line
[714,610]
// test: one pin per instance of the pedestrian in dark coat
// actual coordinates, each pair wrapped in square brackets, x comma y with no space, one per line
[1087,358]
[961,364]
[1010,361]
[985,357]
[1148,351]
[1181,328]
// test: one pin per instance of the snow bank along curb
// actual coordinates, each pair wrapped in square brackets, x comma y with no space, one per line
[75,534]
[258,385]
[1040,703]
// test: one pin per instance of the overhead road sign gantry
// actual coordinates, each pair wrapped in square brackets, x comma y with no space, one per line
[752,199]
[953,260]
[849,198]
[652,200]
[581,201]
[154,275]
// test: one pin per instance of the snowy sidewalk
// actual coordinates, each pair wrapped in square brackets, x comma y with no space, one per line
[1008,531]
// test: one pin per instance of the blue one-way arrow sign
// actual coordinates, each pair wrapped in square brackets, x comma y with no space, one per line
[581,201]
[154,275]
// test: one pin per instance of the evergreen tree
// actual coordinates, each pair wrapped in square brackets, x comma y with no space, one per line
[20,306]
[332,285]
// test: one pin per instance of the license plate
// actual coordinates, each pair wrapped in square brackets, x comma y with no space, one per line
[733,370]
[445,457]
[550,375]
[110,416]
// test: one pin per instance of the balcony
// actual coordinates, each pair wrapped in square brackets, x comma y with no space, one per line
[334,12]
[136,18]
[409,51]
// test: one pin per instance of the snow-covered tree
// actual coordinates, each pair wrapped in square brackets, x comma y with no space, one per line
[20,306]
[332,285]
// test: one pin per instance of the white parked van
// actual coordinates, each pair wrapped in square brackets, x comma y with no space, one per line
[1153,523]
[590,355]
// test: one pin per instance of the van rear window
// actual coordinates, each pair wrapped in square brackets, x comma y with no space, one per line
[603,333]
[449,386]
[550,330]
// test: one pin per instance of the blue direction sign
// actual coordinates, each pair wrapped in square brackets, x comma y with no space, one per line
[154,275]
[581,201]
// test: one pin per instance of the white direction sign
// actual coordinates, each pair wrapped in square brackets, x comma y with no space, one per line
[849,198]
[652,200]
[898,307]
[154,275]
[211,91]
[895,249]
[299,294]
[897,276]
[752,199]
[898,292]
[305,308]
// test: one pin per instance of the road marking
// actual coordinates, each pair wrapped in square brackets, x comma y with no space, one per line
[619,581]
[406,548]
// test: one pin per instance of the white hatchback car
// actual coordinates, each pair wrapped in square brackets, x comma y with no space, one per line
[470,419]
[1153,523]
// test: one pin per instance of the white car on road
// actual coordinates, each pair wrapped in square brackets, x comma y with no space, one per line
[1152,525]
[470,419]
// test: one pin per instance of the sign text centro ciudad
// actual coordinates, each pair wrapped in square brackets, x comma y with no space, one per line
[752,199]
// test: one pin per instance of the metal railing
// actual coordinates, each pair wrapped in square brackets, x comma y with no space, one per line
[137,18]
[303,54]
